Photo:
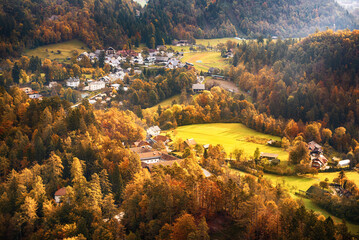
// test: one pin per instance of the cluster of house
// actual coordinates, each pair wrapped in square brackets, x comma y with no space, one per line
[31,93]
[159,56]
[319,161]
[102,98]
[336,189]
[148,155]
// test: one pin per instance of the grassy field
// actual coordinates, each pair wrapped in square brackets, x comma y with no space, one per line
[50,51]
[230,135]
[214,41]
[205,60]
[303,183]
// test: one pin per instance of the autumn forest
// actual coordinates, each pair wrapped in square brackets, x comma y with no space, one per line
[89,142]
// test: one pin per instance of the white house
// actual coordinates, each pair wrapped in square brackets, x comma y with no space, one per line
[97,85]
[73,82]
[35,96]
[154,131]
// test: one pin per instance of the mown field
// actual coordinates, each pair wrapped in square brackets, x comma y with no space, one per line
[205,60]
[51,51]
[231,136]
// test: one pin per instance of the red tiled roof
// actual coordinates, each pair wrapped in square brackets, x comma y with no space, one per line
[160,138]
[142,149]
[146,155]
[60,192]
[142,143]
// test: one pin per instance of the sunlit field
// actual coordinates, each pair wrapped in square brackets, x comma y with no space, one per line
[51,51]
[231,136]
[203,61]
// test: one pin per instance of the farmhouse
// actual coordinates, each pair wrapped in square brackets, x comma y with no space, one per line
[340,191]
[59,194]
[73,82]
[198,87]
[141,143]
[316,155]
[153,131]
[164,159]
[161,138]
[318,161]
[269,156]
[150,157]
[314,147]
[180,43]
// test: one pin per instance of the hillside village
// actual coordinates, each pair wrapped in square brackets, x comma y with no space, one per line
[124,66]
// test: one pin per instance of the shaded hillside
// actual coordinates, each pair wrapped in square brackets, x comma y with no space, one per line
[122,24]
[206,19]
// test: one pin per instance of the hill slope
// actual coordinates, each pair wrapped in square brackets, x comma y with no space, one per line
[221,18]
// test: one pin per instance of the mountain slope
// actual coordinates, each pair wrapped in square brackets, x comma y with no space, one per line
[294,18]
[102,23]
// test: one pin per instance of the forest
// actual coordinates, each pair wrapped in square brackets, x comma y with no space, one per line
[46,145]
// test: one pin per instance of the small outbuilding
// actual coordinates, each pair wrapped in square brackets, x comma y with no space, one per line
[59,194]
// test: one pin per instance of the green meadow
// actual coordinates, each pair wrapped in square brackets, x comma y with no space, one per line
[51,51]
[203,61]
[214,41]
[230,136]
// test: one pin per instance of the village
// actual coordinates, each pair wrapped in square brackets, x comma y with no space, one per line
[125,66]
